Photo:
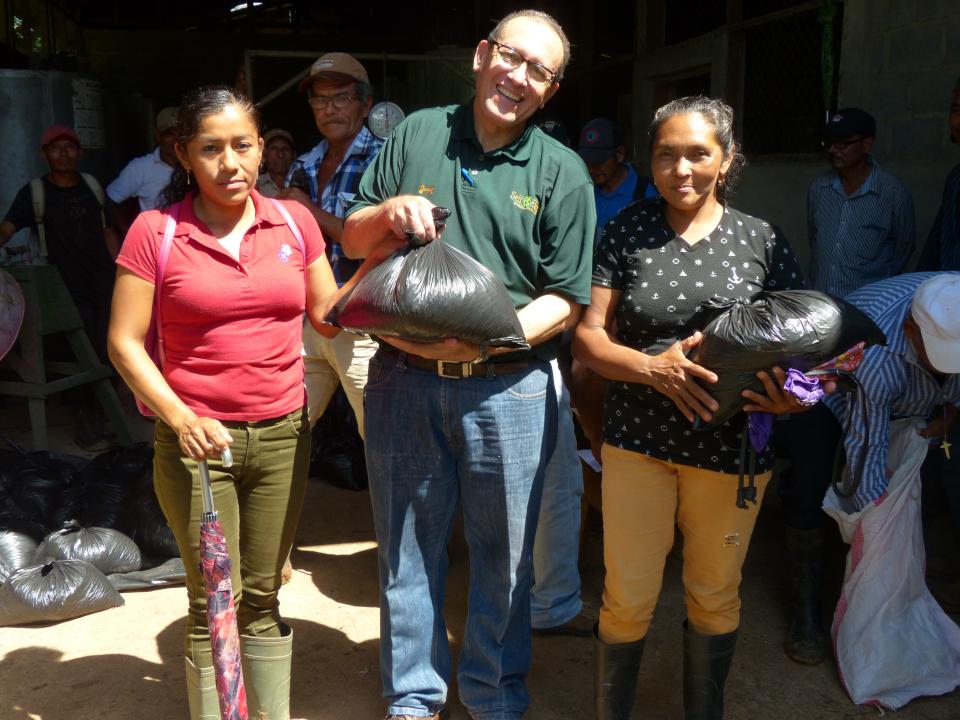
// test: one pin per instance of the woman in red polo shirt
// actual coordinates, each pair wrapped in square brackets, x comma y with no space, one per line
[232,296]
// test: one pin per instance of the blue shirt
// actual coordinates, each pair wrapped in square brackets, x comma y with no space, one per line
[942,251]
[895,382]
[860,238]
[610,204]
[342,186]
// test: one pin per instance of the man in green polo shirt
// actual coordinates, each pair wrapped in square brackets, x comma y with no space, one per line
[463,431]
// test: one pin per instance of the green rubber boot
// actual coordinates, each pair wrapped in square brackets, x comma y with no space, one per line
[202,692]
[266,674]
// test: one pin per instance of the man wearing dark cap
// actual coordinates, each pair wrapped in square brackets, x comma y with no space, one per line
[325,180]
[861,229]
[616,183]
[65,209]
[859,216]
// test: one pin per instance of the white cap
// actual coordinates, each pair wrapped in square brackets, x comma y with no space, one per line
[936,310]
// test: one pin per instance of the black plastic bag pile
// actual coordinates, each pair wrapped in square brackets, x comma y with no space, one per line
[32,486]
[94,518]
[40,491]
[99,491]
[797,329]
[430,293]
[59,590]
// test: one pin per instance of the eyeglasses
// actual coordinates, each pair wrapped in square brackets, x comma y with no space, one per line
[513,59]
[839,144]
[339,102]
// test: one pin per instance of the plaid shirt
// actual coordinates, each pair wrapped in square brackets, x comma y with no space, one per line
[339,191]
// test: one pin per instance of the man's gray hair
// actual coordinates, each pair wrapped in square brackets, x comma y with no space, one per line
[541,17]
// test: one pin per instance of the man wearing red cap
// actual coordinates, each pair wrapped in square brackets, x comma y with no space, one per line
[65,207]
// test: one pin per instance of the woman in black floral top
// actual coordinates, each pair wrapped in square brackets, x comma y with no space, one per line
[656,263]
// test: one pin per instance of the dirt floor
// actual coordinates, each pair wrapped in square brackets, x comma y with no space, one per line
[127,663]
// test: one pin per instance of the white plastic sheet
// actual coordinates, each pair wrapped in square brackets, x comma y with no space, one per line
[892,640]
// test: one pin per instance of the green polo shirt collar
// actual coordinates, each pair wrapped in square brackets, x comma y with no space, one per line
[464,129]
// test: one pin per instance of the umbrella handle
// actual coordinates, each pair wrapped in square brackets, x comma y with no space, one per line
[205,489]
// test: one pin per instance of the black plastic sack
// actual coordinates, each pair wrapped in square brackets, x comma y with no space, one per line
[146,523]
[31,486]
[791,328]
[110,551]
[96,496]
[59,590]
[430,293]
[152,533]
[17,550]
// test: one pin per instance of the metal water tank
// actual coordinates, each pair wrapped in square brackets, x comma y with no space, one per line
[31,101]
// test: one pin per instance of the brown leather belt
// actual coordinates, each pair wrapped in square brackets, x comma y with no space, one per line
[459,370]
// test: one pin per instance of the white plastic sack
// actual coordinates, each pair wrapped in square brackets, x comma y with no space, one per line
[892,641]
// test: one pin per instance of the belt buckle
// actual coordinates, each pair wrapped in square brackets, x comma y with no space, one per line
[466,369]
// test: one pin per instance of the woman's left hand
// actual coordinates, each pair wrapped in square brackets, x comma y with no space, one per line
[776,400]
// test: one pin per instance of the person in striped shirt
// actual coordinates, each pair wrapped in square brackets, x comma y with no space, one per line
[916,374]
[860,219]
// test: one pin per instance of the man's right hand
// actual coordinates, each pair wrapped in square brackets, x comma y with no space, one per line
[411,214]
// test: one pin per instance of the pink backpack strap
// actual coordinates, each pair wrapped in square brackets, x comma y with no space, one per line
[162,258]
[293,228]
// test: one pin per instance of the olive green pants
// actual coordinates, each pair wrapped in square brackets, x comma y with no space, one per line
[258,499]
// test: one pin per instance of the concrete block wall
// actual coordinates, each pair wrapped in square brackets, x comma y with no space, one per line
[899,61]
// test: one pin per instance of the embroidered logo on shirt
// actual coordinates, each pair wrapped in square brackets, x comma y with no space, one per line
[525,202]
[425,189]
[284,253]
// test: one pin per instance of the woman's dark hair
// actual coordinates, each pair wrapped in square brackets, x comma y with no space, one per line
[194,107]
[720,116]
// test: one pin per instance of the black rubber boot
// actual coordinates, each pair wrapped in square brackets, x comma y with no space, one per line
[616,667]
[706,662]
[806,642]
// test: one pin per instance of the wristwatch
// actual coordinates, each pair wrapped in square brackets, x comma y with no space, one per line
[483,356]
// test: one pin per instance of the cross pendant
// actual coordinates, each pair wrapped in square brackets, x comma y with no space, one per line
[945,446]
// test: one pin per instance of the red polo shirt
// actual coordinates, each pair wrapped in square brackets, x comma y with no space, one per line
[232,330]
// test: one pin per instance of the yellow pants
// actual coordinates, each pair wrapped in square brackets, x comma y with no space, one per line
[643,499]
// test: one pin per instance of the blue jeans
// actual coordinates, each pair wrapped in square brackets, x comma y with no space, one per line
[435,444]
[555,598]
